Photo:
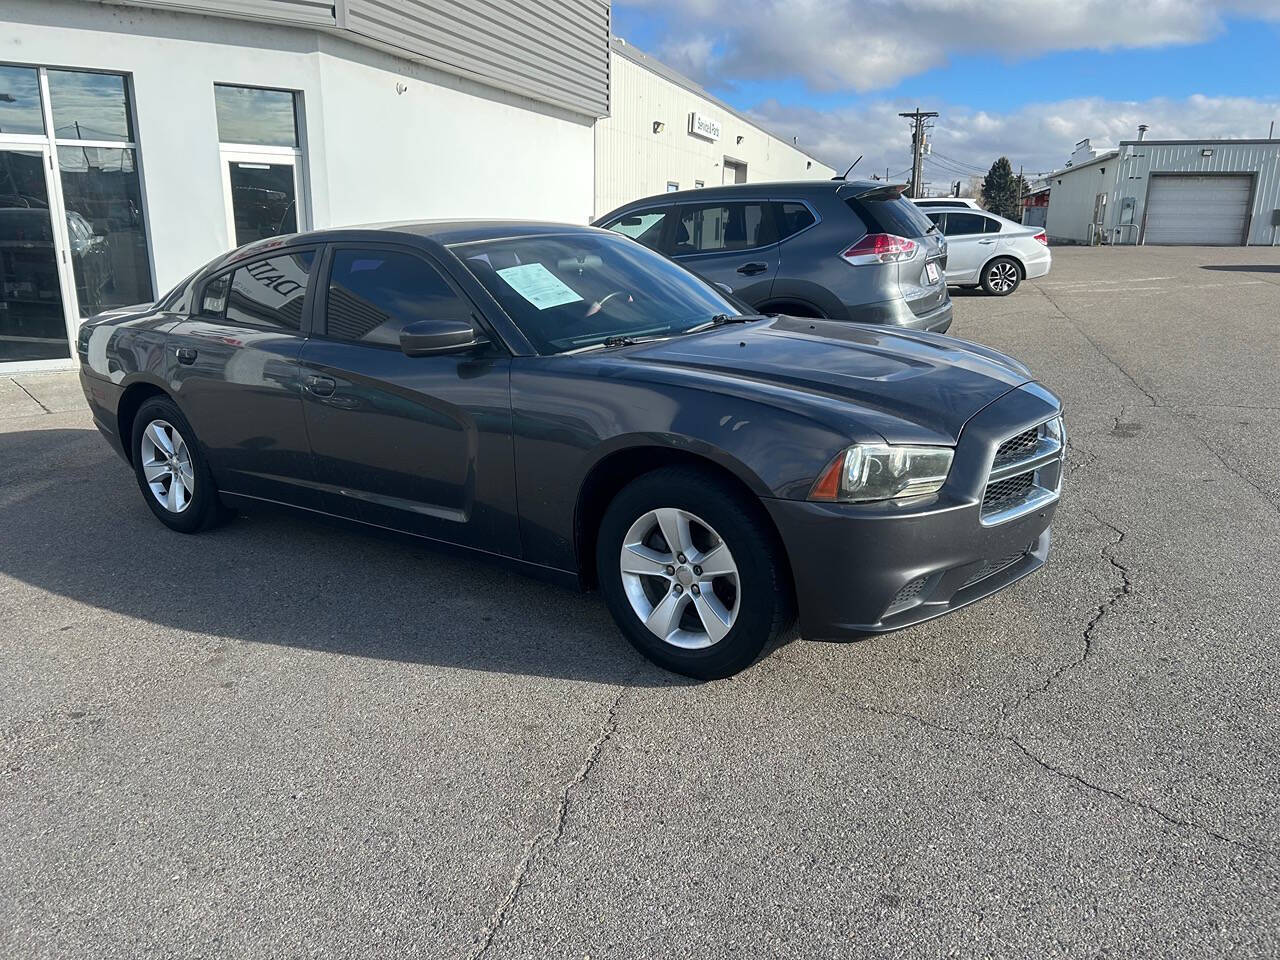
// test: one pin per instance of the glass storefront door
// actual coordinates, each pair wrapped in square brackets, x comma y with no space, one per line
[262,195]
[33,320]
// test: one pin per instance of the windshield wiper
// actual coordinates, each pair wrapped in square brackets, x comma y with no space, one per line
[720,319]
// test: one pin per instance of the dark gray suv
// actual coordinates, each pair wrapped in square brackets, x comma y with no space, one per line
[841,249]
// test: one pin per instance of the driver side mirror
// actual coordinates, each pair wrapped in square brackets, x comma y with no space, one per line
[441,335]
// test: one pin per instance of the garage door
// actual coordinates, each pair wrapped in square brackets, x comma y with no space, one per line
[1198,210]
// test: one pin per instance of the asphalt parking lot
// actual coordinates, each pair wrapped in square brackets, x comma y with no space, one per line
[286,739]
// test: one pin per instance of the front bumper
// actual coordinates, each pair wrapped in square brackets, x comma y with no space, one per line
[873,567]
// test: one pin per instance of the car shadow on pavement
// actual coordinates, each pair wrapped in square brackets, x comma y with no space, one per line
[1243,267]
[75,525]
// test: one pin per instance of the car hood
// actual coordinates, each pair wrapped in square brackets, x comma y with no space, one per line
[909,387]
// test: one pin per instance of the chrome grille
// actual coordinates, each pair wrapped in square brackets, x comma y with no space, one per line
[1025,473]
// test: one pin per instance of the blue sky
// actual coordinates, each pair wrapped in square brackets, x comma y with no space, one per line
[1027,79]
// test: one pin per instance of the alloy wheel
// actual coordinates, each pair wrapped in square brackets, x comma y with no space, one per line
[680,578]
[1003,276]
[166,465]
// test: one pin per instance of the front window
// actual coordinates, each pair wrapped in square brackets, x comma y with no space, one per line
[571,291]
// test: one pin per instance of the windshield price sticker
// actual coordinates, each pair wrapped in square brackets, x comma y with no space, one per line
[538,285]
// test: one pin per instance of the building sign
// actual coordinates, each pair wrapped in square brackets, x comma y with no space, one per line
[705,127]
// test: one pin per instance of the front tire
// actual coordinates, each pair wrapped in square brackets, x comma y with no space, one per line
[1001,276]
[171,469]
[691,572]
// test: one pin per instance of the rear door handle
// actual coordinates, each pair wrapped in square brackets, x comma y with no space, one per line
[751,269]
[986,241]
[186,355]
[321,386]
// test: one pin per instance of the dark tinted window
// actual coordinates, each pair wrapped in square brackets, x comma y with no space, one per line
[213,302]
[270,293]
[794,217]
[935,217]
[990,226]
[964,224]
[644,227]
[900,217]
[723,226]
[947,203]
[373,294]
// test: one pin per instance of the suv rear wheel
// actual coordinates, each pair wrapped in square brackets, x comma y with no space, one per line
[690,573]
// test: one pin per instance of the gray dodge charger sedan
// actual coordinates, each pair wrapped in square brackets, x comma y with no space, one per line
[565,400]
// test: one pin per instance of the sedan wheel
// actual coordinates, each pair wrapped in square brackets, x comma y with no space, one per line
[1001,277]
[692,571]
[680,577]
[166,465]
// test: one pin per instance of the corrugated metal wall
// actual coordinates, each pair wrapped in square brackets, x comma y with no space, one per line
[555,51]
[1139,160]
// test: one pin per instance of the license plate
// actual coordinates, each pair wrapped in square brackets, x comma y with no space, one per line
[931,271]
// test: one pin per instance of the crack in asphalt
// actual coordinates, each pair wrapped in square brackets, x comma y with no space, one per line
[34,398]
[1247,844]
[548,838]
[1155,401]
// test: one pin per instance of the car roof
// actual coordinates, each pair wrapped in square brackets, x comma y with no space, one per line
[769,188]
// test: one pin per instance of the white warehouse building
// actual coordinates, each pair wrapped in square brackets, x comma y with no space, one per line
[1185,192]
[666,133]
[139,139]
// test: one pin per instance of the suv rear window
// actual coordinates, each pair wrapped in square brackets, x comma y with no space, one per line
[899,216]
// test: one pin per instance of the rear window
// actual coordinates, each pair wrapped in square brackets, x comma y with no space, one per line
[900,216]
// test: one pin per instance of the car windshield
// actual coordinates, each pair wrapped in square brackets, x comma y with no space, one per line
[575,290]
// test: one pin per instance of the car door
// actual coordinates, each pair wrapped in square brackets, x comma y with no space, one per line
[968,245]
[420,444]
[730,242]
[235,374]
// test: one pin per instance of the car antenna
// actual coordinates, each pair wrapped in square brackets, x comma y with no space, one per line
[845,175]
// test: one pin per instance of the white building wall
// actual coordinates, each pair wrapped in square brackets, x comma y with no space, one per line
[1072,193]
[445,147]
[633,161]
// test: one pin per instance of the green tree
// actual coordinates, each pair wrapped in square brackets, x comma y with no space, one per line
[1002,191]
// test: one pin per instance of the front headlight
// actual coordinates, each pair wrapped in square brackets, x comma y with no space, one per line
[881,471]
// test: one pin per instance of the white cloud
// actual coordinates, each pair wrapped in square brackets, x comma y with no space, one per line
[1039,136]
[872,44]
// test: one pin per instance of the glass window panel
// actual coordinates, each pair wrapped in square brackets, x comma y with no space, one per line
[250,115]
[729,226]
[645,227]
[374,294]
[263,200]
[795,217]
[270,293]
[104,224]
[20,101]
[31,318]
[89,106]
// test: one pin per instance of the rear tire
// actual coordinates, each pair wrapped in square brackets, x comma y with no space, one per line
[171,469]
[706,622]
[1001,276]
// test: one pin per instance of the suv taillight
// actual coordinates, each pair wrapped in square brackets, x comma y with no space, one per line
[1042,238]
[880,248]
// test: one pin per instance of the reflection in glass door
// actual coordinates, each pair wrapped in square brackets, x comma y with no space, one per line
[262,195]
[32,320]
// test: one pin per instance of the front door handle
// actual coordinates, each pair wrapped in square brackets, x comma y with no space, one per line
[751,269]
[321,386]
[186,355]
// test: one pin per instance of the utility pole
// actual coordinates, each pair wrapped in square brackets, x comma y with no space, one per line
[1020,183]
[918,117]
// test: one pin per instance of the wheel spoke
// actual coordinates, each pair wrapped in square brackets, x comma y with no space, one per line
[665,617]
[715,618]
[716,562]
[188,476]
[641,560]
[160,438]
[675,529]
[155,472]
[171,498]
